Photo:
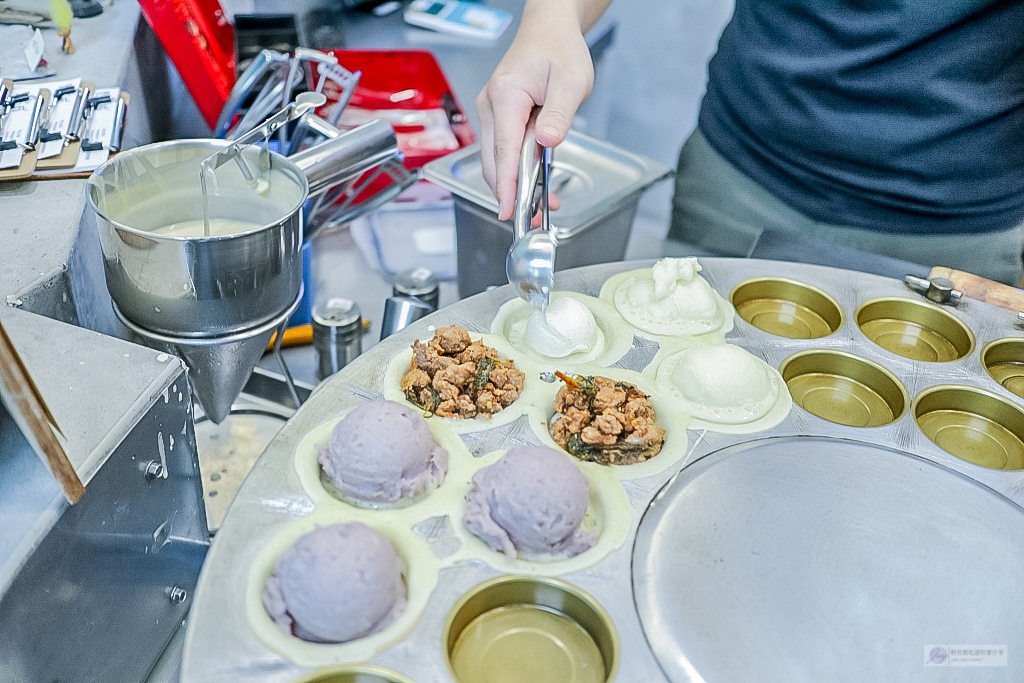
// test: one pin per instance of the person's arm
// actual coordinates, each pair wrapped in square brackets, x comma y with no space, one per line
[548,64]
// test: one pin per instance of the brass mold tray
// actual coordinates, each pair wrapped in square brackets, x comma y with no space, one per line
[914,329]
[973,424]
[543,628]
[219,644]
[787,308]
[1004,361]
[843,388]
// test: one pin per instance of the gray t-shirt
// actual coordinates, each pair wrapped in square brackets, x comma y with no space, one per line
[903,116]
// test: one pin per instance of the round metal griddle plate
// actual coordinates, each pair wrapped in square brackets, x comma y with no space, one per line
[819,559]
[227,451]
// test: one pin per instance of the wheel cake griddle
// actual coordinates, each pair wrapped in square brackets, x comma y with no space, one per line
[811,551]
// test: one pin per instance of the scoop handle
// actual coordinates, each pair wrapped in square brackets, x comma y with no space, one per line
[529,174]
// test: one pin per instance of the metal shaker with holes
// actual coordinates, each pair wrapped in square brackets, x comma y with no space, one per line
[420,283]
[337,335]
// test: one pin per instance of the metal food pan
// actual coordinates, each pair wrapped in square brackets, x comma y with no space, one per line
[598,184]
[967,514]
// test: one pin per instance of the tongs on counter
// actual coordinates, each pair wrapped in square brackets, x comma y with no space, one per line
[530,265]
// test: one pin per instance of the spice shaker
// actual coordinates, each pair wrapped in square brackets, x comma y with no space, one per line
[400,312]
[337,335]
[420,283]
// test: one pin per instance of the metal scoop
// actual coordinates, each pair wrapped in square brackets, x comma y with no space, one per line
[530,265]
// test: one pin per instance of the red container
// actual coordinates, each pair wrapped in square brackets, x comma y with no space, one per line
[418,78]
[199,39]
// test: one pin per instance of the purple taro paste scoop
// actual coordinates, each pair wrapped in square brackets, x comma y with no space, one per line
[336,584]
[382,452]
[531,501]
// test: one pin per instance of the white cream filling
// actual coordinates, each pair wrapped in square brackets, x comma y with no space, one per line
[567,326]
[724,384]
[672,300]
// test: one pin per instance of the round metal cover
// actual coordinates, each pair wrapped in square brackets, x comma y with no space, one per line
[227,451]
[818,559]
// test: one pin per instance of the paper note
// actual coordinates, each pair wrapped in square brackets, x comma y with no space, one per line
[34,50]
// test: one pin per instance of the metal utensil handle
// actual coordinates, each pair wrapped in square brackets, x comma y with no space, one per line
[545,184]
[303,103]
[348,212]
[530,162]
[347,156]
[245,83]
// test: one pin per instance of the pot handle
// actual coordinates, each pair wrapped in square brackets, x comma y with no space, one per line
[346,155]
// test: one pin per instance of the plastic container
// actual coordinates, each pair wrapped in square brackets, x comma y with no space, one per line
[398,80]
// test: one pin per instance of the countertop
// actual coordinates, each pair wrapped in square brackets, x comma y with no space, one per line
[39,224]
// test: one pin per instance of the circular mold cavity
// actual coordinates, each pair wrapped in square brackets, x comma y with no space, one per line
[534,630]
[1004,361]
[321,490]
[787,308]
[973,424]
[614,335]
[844,388]
[420,577]
[355,674]
[914,329]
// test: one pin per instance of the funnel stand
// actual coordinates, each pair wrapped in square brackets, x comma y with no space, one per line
[278,337]
[218,366]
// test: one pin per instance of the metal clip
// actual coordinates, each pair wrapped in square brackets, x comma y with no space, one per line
[5,94]
[117,130]
[45,135]
[76,122]
[940,290]
[32,127]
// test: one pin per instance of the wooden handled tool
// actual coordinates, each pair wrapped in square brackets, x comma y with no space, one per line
[982,289]
[29,403]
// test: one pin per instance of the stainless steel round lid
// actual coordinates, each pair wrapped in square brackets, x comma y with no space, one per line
[820,559]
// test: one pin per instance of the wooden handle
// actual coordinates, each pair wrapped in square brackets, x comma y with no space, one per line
[982,289]
[30,404]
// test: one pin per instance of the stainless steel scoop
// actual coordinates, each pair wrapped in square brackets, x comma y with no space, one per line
[530,264]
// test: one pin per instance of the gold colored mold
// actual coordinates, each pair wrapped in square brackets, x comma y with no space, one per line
[1004,361]
[974,425]
[787,308]
[844,388]
[517,629]
[914,329]
[354,674]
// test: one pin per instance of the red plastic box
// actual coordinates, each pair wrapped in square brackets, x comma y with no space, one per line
[415,73]
[199,39]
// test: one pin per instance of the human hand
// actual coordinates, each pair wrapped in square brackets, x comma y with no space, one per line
[547,65]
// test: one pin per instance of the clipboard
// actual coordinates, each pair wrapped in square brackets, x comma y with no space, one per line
[52,172]
[69,155]
[28,159]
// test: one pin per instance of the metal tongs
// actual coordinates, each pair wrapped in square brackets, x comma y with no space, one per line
[304,102]
[530,265]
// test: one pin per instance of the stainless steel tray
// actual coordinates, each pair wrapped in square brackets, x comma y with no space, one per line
[716,609]
[589,175]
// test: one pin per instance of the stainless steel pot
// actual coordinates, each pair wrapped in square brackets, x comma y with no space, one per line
[217,285]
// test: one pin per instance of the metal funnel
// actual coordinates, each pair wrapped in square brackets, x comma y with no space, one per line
[218,366]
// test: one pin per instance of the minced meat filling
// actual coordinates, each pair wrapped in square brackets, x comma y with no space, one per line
[604,421]
[453,376]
